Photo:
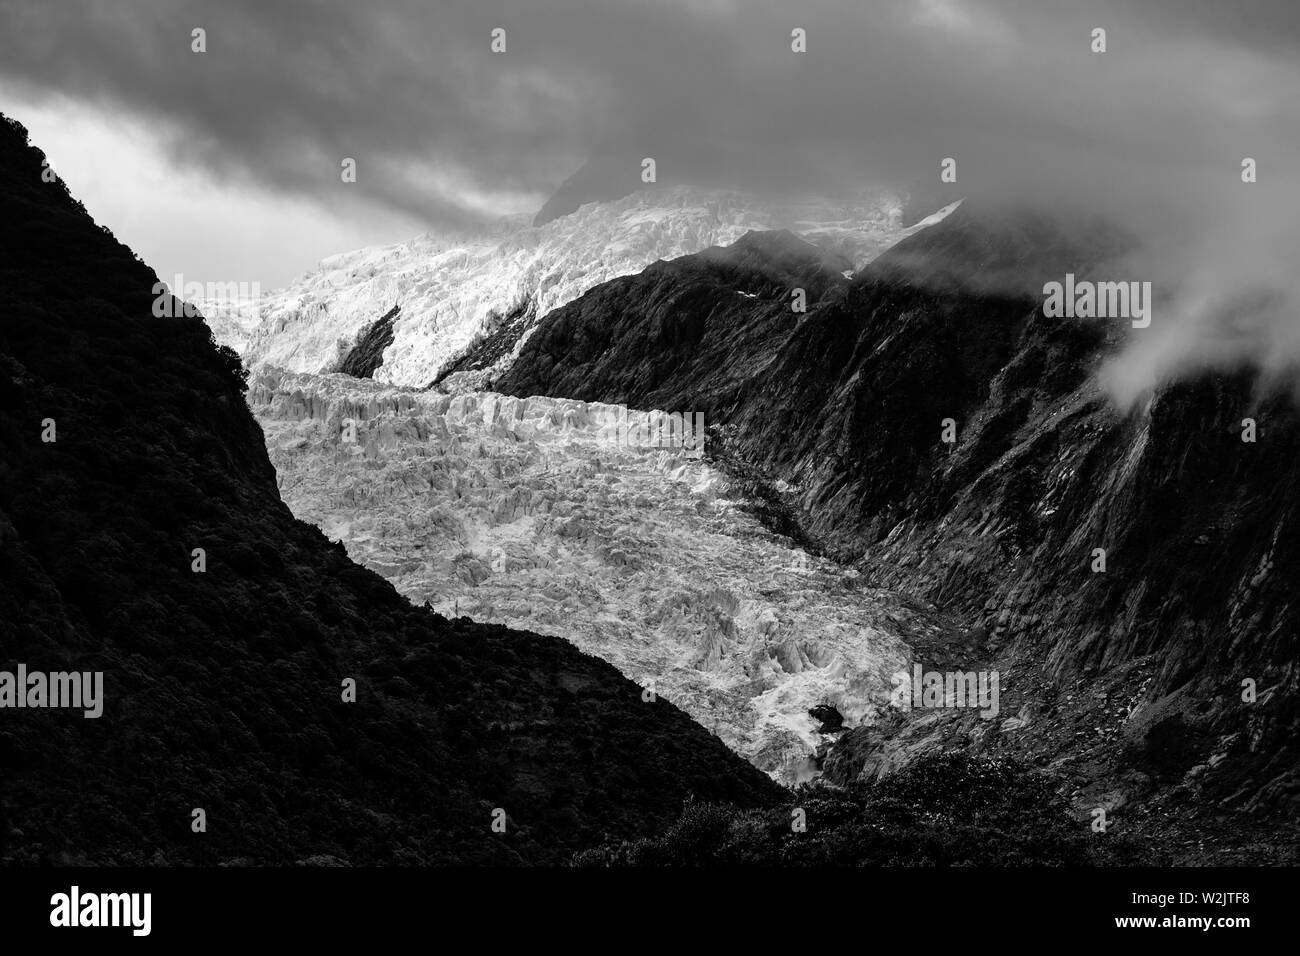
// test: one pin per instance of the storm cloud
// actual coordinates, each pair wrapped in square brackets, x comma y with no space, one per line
[448,133]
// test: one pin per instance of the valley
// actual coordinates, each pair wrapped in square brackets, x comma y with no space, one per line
[939,441]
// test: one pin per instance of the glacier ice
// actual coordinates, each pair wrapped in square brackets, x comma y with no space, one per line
[527,512]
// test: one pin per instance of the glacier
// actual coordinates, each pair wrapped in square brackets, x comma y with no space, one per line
[530,513]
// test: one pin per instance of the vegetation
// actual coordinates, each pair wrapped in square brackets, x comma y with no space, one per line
[941,810]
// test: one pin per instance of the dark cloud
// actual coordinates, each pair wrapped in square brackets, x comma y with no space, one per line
[1152,132]
[411,90]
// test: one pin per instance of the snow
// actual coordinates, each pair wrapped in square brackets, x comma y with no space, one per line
[232,321]
[938,216]
[449,288]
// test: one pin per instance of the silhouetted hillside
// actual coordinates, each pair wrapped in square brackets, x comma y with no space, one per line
[943,810]
[223,688]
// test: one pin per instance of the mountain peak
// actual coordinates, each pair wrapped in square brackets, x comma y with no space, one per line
[601,179]
[454,295]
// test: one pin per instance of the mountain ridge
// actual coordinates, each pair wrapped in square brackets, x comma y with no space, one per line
[455,294]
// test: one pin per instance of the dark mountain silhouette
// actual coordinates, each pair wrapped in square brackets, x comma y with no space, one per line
[223,688]
[604,178]
[1132,677]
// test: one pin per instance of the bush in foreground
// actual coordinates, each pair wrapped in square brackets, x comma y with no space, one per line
[942,810]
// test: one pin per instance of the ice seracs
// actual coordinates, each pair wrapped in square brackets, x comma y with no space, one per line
[531,512]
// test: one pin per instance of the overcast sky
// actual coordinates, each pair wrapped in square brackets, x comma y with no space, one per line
[225,166]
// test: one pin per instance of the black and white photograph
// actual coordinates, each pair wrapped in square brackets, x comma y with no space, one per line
[820,455]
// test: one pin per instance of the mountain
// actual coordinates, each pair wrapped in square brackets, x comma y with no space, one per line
[454,294]
[225,681]
[1129,681]
[714,319]
[601,179]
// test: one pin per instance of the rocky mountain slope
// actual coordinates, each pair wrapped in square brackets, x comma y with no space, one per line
[455,292]
[714,319]
[224,680]
[1129,680]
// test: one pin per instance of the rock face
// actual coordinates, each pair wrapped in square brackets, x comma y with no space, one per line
[224,670]
[1000,527]
[368,353]
[713,321]
[540,514]
[455,292]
